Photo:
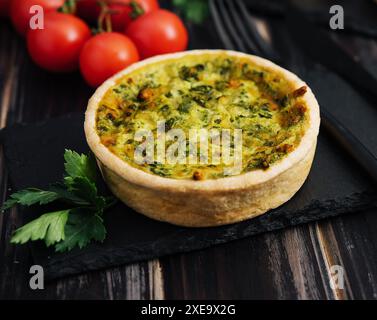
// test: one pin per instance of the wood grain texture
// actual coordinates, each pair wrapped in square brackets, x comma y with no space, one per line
[289,264]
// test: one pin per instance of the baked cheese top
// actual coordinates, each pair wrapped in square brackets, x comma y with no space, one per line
[213,92]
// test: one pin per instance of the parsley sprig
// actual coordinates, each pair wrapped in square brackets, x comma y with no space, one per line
[79,221]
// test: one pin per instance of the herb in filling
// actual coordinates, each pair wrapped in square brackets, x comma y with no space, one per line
[211,92]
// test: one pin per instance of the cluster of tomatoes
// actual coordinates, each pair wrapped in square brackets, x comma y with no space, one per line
[126,31]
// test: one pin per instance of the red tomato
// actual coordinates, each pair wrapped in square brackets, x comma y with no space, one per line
[123,10]
[158,32]
[104,55]
[20,11]
[123,17]
[57,47]
[4,8]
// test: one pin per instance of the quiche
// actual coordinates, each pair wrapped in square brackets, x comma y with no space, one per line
[204,137]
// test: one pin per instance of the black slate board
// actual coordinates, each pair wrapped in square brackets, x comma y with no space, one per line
[34,158]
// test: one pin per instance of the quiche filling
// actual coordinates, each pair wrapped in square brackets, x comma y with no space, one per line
[212,92]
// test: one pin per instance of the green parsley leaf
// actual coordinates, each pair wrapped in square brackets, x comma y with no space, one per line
[48,227]
[67,195]
[80,230]
[87,190]
[76,226]
[77,165]
[30,196]
[82,187]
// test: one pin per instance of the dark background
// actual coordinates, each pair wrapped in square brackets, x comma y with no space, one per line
[289,264]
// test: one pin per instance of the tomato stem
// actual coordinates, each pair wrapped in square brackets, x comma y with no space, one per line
[136,10]
[69,6]
[108,22]
[104,17]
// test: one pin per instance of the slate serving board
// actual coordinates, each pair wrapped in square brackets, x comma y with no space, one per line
[34,158]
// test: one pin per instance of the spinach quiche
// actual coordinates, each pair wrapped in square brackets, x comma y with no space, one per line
[204,137]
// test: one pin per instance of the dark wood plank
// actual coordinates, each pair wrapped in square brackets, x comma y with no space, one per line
[276,265]
[356,239]
[289,264]
[12,260]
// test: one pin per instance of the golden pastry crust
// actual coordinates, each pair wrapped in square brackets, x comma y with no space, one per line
[207,202]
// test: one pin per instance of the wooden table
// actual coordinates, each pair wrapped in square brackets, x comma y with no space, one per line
[292,263]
